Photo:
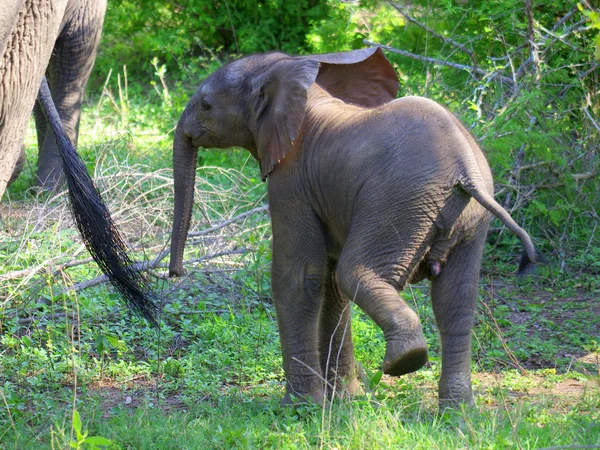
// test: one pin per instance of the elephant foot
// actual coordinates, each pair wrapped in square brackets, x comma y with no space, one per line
[455,391]
[296,398]
[344,388]
[406,355]
[49,181]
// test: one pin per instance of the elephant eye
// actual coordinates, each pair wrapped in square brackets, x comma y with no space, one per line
[205,105]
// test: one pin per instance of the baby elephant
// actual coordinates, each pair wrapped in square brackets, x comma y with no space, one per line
[367,193]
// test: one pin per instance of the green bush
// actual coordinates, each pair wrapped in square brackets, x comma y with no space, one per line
[187,34]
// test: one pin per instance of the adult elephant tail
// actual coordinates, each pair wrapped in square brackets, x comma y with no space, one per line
[94,222]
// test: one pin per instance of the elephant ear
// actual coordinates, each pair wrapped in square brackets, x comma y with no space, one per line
[362,77]
[279,97]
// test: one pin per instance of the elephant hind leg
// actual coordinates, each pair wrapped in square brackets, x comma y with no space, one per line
[68,72]
[454,294]
[335,337]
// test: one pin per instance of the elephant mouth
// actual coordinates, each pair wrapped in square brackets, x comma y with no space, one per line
[197,138]
[197,142]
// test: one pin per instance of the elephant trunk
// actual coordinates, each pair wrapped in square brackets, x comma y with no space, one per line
[184,174]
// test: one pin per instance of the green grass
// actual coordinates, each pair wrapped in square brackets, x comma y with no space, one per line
[211,377]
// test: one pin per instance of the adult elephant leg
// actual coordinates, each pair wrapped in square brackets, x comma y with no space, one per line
[27,33]
[454,293]
[335,336]
[298,277]
[372,267]
[19,166]
[41,124]
[68,73]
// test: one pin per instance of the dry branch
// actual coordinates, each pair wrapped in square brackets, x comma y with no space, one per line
[443,38]
[28,320]
[576,177]
[209,230]
[440,62]
[148,266]
[589,116]
[16,274]
[229,222]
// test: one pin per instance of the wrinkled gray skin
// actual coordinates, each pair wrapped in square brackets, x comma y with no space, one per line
[56,37]
[364,197]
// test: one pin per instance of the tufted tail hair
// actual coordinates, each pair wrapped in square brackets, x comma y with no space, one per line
[93,220]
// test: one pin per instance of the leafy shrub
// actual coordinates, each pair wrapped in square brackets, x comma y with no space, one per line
[188,32]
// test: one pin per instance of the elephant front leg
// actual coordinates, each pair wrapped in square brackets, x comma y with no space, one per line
[298,277]
[454,293]
[335,338]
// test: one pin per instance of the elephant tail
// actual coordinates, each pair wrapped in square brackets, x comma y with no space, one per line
[530,255]
[94,222]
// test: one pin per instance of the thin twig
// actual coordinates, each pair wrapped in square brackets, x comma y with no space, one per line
[557,38]
[514,177]
[206,231]
[29,320]
[500,336]
[12,422]
[534,165]
[439,62]
[15,274]
[565,18]
[230,221]
[236,251]
[146,266]
[587,113]
[443,38]
[237,48]
[576,177]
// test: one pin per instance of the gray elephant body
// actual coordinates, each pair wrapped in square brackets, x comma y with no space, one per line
[353,173]
[370,194]
[54,37]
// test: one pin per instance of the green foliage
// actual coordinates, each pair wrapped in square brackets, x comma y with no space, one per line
[82,440]
[188,34]
[594,19]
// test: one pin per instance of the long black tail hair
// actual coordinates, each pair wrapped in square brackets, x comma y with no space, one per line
[93,220]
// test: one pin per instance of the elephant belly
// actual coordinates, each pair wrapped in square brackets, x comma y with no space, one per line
[450,230]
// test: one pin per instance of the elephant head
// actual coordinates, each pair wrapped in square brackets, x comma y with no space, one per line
[259,103]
